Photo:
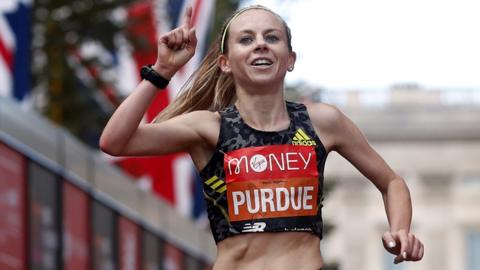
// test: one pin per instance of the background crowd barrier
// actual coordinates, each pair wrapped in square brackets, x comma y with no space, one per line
[65,207]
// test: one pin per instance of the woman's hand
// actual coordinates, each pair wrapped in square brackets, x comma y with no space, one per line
[176,47]
[405,245]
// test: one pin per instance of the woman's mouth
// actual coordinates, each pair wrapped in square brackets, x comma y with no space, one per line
[262,62]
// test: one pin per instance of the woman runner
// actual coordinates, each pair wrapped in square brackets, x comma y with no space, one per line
[261,158]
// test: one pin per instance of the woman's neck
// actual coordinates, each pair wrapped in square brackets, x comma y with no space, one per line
[265,111]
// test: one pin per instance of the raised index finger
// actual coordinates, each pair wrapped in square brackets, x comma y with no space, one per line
[187,18]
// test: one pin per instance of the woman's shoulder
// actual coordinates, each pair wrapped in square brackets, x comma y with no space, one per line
[324,115]
[197,120]
[329,122]
[204,114]
[200,116]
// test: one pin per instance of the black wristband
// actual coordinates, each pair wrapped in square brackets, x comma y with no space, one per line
[149,74]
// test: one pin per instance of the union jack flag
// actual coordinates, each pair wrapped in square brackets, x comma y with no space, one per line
[15,22]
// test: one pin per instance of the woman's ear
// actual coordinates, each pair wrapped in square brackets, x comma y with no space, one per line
[292,57]
[224,64]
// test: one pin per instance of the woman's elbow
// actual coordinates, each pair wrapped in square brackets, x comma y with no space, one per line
[394,183]
[109,147]
[398,185]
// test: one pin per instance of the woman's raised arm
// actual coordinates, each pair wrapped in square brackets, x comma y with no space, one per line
[124,135]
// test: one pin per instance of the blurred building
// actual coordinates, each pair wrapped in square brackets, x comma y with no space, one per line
[64,206]
[432,139]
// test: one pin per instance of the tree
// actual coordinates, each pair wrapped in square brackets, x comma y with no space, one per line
[72,88]
[223,9]
[73,47]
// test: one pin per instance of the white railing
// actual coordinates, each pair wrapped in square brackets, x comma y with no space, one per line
[400,96]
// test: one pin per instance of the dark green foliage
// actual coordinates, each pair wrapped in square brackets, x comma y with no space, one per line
[223,10]
[60,89]
[59,29]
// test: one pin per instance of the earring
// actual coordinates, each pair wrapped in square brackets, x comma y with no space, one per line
[290,68]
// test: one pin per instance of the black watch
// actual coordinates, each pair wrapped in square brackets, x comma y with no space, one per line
[149,74]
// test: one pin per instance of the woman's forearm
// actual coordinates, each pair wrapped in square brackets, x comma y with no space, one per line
[398,205]
[126,119]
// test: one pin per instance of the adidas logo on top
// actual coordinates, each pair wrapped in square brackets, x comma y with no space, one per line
[301,138]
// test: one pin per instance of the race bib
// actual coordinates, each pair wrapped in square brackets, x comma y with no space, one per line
[271,181]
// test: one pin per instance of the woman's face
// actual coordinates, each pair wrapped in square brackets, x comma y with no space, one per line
[257,48]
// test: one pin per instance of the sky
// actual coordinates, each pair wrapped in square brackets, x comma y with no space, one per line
[374,44]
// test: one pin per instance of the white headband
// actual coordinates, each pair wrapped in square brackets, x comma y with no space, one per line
[240,11]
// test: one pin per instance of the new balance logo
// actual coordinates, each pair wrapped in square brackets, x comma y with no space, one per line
[301,138]
[255,227]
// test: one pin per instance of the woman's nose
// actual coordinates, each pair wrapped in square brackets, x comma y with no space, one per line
[261,44]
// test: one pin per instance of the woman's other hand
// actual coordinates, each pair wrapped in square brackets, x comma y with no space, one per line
[405,245]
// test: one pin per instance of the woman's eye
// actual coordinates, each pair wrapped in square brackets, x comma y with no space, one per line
[271,38]
[246,40]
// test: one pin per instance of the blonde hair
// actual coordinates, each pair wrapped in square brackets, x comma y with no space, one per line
[209,88]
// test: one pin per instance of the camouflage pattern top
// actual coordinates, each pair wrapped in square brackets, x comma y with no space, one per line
[263,181]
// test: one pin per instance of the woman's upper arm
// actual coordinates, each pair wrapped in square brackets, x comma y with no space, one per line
[177,134]
[347,139]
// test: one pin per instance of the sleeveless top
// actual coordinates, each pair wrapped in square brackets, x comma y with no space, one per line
[262,181]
